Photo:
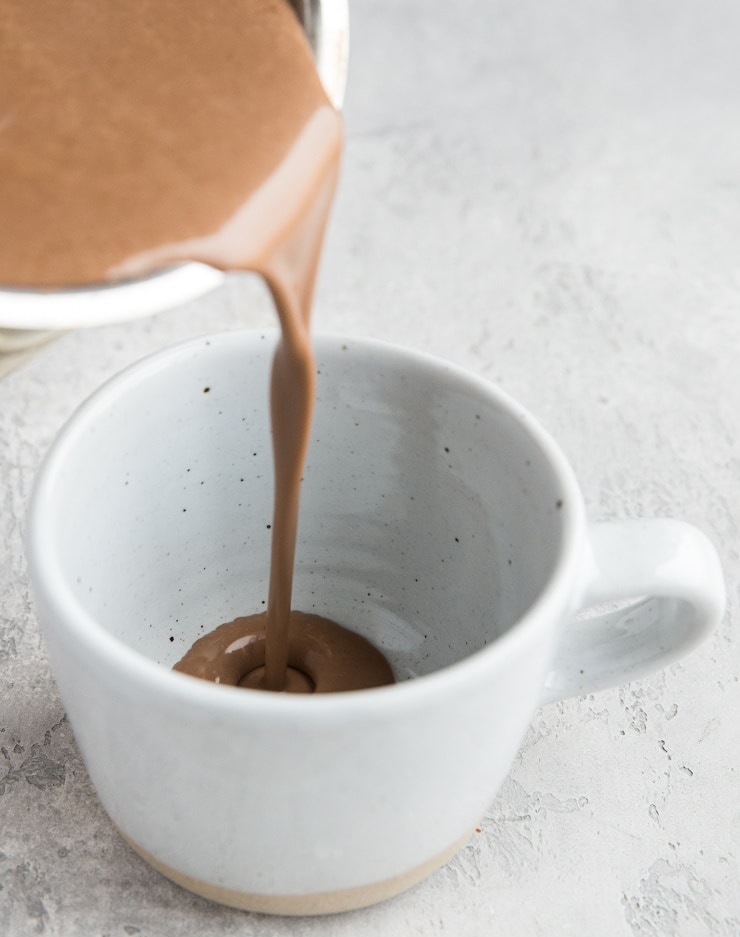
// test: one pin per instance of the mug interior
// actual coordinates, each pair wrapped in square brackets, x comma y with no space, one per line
[432,511]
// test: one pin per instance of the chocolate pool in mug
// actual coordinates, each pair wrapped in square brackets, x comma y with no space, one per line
[438,520]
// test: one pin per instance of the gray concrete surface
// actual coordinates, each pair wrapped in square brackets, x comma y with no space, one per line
[549,195]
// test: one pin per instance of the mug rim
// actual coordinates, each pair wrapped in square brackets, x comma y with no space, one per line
[50,587]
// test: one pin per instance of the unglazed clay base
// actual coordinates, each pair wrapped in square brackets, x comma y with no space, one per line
[326,902]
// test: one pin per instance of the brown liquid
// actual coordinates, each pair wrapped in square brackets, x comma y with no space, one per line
[141,134]
[323,657]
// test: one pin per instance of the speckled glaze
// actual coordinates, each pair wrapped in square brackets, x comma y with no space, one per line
[438,520]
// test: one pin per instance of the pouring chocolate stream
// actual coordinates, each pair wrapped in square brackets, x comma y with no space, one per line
[133,138]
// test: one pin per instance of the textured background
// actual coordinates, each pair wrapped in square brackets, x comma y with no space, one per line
[549,195]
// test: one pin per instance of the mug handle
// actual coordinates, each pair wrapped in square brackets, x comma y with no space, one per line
[670,575]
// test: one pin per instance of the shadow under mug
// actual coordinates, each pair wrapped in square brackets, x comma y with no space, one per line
[438,519]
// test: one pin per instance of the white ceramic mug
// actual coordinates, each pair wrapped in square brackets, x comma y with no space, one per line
[438,519]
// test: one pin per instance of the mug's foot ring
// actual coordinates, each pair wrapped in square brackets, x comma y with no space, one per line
[327,902]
